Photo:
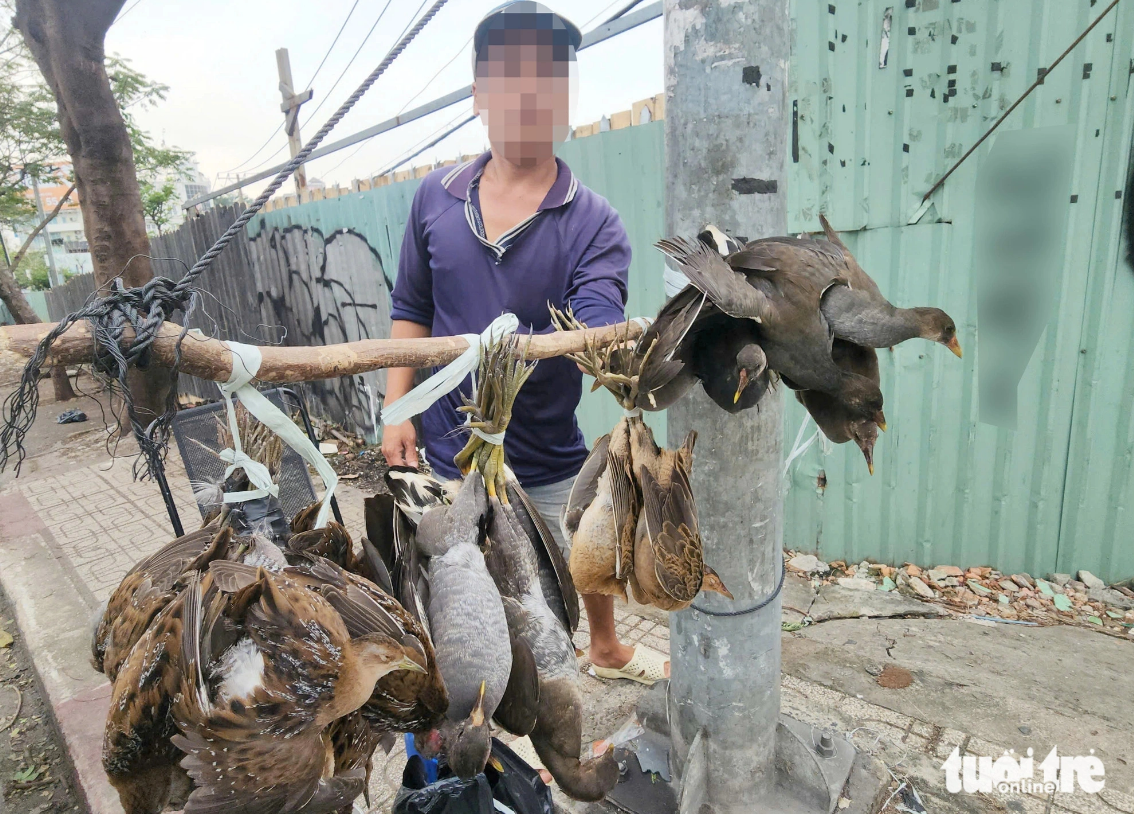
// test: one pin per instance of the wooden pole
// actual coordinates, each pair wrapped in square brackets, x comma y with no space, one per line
[210,358]
[290,108]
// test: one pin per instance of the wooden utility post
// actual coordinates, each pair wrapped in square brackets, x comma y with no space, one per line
[290,107]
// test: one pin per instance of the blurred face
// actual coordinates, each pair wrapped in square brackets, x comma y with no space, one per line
[523,94]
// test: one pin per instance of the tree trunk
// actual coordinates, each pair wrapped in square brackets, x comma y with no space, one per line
[24,315]
[67,41]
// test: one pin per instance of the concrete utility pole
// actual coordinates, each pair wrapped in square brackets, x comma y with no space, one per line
[45,234]
[290,108]
[726,130]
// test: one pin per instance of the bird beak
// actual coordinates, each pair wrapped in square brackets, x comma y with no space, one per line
[869,455]
[880,420]
[477,714]
[409,664]
[741,385]
[954,346]
[495,763]
[712,582]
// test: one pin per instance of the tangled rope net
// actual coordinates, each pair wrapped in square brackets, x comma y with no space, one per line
[145,308]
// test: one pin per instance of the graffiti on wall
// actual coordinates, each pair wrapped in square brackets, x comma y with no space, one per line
[321,290]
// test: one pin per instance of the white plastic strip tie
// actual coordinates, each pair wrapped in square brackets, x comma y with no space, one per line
[448,378]
[800,446]
[246,361]
[674,281]
[494,438]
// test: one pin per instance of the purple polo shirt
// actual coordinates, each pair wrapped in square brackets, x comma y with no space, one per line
[572,251]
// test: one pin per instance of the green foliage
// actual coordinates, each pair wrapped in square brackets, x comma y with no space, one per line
[31,145]
[159,203]
[34,274]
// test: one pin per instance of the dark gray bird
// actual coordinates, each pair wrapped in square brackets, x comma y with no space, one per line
[783,300]
[855,311]
[467,623]
[832,417]
[690,341]
[513,561]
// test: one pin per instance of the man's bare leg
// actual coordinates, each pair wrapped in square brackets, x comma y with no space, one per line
[606,649]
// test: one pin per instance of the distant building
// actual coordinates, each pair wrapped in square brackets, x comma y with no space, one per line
[68,239]
[69,247]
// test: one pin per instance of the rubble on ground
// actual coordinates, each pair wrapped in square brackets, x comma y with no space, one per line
[1083,599]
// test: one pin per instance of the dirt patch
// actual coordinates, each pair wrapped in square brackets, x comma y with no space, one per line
[895,678]
[363,468]
[36,776]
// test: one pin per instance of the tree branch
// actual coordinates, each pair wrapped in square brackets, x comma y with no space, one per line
[19,255]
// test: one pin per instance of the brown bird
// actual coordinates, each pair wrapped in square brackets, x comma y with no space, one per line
[255,716]
[138,755]
[669,566]
[782,295]
[601,515]
[147,589]
[832,417]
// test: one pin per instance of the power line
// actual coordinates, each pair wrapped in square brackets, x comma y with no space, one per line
[608,7]
[652,11]
[332,48]
[127,11]
[417,149]
[279,126]
[327,95]
[622,11]
[424,87]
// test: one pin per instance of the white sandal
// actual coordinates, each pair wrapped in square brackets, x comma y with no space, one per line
[646,666]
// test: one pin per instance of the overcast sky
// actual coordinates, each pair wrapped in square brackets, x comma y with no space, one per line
[218,59]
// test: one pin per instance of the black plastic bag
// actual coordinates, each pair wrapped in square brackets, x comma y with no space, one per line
[262,514]
[518,787]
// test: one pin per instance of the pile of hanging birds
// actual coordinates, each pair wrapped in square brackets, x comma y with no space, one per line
[498,596]
[257,665]
[804,309]
[797,310]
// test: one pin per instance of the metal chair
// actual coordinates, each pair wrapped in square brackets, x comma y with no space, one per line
[199,424]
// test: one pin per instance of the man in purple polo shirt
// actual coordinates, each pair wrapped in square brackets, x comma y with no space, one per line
[512,231]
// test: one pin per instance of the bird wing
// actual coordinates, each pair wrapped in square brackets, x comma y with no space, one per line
[671,523]
[173,559]
[585,487]
[408,574]
[554,574]
[332,541]
[624,499]
[259,775]
[414,491]
[727,289]
[379,516]
[855,274]
[519,707]
[663,339]
[371,564]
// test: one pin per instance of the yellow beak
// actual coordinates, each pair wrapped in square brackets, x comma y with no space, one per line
[870,467]
[477,714]
[954,346]
[409,664]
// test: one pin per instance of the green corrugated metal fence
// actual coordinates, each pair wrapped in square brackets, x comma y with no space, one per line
[867,141]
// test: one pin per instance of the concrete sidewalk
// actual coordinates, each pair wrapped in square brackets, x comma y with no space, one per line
[75,521]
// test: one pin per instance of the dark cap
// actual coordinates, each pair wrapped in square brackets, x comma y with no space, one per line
[526,15]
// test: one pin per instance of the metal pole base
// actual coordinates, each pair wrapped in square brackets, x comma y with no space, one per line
[811,772]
